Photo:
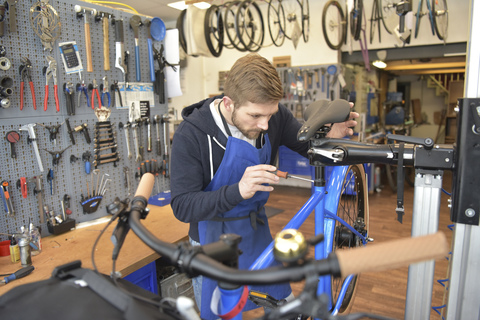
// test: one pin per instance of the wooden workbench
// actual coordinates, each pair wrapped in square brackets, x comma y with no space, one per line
[77,245]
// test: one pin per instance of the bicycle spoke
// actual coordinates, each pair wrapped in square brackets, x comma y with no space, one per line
[389,14]
[356,19]
[333,23]
[440,15]
[276,23]
[213,27]
[293,15]
[249,25]
[229,25]
[305,19]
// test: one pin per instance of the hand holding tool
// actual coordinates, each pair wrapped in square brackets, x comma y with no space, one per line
[7,199]
[95,92]
[12,137]
[25,72]
[285,175]
[105,92]
[85,12]
[30,128]
[135,23]
[51,71]
[18,274]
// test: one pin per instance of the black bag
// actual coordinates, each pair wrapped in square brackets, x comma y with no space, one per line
[77,293]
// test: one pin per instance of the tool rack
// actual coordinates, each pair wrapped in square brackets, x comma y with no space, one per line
[70,176]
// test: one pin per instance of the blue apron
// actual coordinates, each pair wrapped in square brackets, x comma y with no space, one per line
[251,223]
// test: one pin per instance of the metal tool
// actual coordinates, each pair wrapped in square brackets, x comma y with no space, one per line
[285,175]
[166,142]
[126,172]
[120,53]
[105,92]
[46,23]
[82,87]
[25,73]
[138,157]
[151,62]
[104,16]
[50,178]
[38,191]
[18,274]
[135,23]
[86,13]
[30,128]
[12,137]
[56,155]
[69,98]
[51,71]
[116,90]
[149,135]
[12,15]
[7,199]
[126,128]
[94,88]
[157,120]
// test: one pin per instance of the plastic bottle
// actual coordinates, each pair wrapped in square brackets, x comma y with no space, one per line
[14,250]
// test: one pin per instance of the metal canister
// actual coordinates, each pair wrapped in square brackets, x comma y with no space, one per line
[25,254]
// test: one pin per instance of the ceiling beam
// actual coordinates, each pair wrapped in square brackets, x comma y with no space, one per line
[429,71]
[423,66]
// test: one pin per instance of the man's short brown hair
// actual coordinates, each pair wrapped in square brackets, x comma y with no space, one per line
[254,79]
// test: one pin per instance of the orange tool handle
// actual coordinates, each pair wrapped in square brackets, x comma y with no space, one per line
[5,190]
[280,174]
[21,95]
[33,96]
[57,103]
[23,184]
[45,100]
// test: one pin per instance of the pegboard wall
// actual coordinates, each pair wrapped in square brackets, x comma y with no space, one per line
[70,177]
[304,84]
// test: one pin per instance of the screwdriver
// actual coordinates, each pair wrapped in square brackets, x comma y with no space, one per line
[285,175]
[18,274]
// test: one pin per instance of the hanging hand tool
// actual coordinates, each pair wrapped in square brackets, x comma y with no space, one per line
[22,185]
[51,71]
[25,73]
[53,130]
[151,62]
[86,158]
[70,131]
[7,199]
[285,175]
[157,121]
[12,137]
[83,128]
[45,22]
[149,135]
[166,142]
[94,88]
[138,157]
[82,87]
[50,180]
[12,14]
[104,16]
[56,155]
[126,173]
[126,127]
[105,92]
[69,98]
[30,128]
[85,13]
[18,274]
[135,23]
[120,53]
[116,90]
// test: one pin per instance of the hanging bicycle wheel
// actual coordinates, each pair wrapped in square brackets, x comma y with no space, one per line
[276,22]
[352,208]
[334,24]
[305,19]
[213,26]
[376,21]
[440,18]
[293,15]
[249,25]
[229,25]
[181,33]
[356,19]
[389,14]
[418,17]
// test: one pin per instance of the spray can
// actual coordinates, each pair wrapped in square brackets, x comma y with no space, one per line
[14,250]
[25,254]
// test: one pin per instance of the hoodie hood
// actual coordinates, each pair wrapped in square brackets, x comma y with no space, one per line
[200,116]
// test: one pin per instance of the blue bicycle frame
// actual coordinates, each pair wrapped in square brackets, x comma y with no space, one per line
[324,200]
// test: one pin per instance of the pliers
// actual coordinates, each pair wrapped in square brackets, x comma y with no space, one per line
[50,72]
[82,87]
[25,70]
[69,97]
[95,91]
[105,92]
[116,89]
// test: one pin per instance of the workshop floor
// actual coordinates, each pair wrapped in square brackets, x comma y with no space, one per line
[381,293]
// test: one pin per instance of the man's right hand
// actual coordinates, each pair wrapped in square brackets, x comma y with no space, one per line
[254,178]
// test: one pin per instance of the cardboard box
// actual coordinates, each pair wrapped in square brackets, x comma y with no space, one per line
[281,62]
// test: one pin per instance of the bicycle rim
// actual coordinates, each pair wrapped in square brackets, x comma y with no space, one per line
[249,25]
[418,16]
[440,16]
[356,19]
[276,23]
[352,208]
[375,21]
[293,15]
[305,19]
[389,14]
[213,26]
[333,23]
[229,25]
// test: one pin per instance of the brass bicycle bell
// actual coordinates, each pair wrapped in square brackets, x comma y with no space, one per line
[289,246]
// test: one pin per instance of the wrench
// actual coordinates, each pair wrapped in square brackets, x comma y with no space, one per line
[157,121]
[138,157]
[126,171]
[149,136]
[126,127]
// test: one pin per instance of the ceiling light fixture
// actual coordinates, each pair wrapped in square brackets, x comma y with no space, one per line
[380,64]
[180,5]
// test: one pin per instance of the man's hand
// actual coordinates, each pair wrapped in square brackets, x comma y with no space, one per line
[254,178]
[340,130]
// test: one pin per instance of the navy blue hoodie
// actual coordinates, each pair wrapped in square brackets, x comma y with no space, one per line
[197,143]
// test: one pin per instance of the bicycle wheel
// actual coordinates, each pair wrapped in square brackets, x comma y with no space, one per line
[418,16]
[229,26]
[276,23]
[333,23]
[440,18]
[305,19]
[356,19]
[249,25]
[213,26]
[293,15]
[181,33]
[352,208]
[389,14]
[375,21]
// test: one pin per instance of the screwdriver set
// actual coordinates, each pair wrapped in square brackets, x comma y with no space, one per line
[51,151]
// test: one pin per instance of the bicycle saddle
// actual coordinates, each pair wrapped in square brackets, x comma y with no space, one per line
[320,113]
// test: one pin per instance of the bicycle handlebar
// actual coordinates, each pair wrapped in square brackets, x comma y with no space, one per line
[195,260]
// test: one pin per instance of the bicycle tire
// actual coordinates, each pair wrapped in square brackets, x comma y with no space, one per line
[213,28]
[430,16]
[352,208]
[375,21]
[181,33]
[333,23]
[229,25]
[293,13]
[305,19]
[440,15]
[389,15]
[251,28]
[274,19]
[356,19]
